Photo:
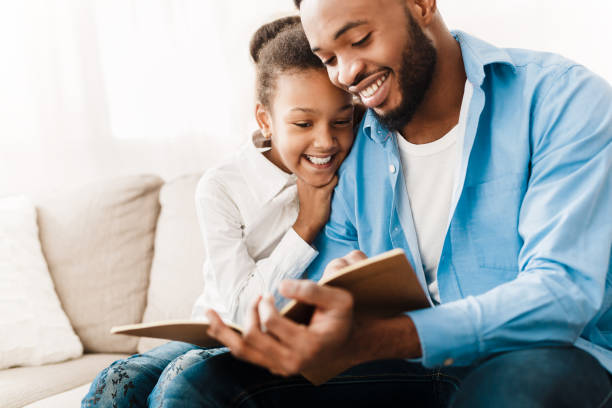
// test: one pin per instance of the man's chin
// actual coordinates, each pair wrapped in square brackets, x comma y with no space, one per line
[394,120]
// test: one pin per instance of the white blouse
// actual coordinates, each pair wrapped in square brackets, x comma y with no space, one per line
[246,208]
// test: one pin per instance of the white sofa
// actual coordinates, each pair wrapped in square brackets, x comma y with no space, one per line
[120,251]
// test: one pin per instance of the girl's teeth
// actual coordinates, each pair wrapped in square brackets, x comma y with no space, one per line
[319,160]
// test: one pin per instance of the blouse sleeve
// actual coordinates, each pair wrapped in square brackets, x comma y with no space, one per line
[235,276]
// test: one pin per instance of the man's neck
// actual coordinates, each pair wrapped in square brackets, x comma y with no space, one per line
[439,111]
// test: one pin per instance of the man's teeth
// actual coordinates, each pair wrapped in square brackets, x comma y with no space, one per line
[371,90]
[319,160]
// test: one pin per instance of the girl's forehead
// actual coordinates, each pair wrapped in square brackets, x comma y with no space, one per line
[312,86]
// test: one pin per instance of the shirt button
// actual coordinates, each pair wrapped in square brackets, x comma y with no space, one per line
[392,168]
[448,362]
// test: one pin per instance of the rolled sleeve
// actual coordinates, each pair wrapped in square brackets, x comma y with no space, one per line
[291,256]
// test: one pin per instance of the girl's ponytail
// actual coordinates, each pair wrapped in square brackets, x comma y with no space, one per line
[279,47]
[268,32]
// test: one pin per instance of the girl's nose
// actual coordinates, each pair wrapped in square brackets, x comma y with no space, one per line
[324,140]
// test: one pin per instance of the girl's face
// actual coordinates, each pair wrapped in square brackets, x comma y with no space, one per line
[311,125]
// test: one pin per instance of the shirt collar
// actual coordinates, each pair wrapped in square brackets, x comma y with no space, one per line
[264,179]
[476,55]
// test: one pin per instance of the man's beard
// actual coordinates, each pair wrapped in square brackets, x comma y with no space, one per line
[415,75]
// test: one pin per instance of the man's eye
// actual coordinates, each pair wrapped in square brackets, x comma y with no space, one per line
[329,61]
[302,124]
[362,41]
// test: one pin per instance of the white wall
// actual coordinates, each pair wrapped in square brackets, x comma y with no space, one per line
[578,30]
[82,100]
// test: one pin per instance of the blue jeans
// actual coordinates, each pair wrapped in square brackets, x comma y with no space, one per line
[536,377]
[141,380]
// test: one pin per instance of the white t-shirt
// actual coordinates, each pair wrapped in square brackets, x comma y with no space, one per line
[246,208]
[430,172]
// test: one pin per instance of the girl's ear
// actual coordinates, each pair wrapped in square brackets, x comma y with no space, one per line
[263,120]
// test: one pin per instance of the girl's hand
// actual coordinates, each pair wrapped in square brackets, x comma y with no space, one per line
[315,205]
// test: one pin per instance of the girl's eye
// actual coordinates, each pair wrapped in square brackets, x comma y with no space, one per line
[342,123]
[303,124]
[362,41]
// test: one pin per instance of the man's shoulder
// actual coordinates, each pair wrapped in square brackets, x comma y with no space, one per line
[520,62]
[544,63]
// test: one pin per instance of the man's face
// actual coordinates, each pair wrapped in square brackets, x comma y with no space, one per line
[375,50]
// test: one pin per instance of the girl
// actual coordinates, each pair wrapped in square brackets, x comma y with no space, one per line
[259,211]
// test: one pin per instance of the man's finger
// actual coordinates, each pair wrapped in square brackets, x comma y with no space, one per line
[323,297]
[221,331]
[355,256]
[239,347]
[334,266]
[254,320]
[280,327]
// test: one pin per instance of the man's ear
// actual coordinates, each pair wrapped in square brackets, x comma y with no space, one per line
[423,11]
[263,120]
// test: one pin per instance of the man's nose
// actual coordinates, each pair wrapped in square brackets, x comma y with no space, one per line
[349,70]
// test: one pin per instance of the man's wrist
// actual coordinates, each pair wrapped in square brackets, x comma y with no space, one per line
[381,339]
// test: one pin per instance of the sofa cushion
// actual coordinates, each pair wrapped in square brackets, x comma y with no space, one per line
[70,398]
[176,274]
[23,385]
[98,241]
[35,329]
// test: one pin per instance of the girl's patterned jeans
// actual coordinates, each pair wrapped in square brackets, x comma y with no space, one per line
[141,380]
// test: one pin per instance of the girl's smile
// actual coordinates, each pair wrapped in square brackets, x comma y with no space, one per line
[311,125]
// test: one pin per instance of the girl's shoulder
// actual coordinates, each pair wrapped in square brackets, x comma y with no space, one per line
[228,175]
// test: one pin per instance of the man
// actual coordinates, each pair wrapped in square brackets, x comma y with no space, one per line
[491,169]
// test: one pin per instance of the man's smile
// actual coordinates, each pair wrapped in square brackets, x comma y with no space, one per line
[373,90]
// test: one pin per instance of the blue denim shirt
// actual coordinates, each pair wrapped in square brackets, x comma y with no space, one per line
[527,255]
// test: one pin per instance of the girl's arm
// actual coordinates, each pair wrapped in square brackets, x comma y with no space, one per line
[230,272]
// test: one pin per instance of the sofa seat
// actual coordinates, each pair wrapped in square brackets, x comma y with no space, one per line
[70,398]
[22,385]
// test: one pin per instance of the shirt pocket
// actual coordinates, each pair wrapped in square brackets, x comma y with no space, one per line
[493,224]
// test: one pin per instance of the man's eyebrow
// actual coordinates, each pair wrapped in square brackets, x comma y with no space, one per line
[348,26]
[345,107]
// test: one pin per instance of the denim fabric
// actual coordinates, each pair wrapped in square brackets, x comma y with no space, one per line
[129,382]
[542,377]
[176,368]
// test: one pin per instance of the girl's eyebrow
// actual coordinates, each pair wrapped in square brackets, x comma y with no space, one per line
[309,110]
[306,110]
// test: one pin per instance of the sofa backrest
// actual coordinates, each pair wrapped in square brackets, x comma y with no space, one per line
[176,274]
[98,242]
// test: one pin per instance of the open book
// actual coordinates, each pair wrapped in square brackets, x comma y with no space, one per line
[384,286]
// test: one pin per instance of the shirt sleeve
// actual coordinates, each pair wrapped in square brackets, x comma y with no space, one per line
[565,223]
[235,276]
